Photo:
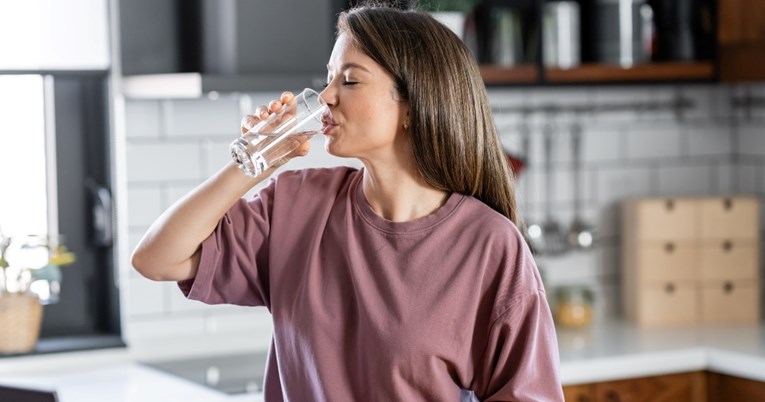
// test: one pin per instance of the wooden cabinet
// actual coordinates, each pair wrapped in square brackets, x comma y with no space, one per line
[691,260]
[741,37]
[684,387]
[698,386]
[725,388]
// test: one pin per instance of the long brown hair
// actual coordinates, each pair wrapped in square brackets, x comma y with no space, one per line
[454,139]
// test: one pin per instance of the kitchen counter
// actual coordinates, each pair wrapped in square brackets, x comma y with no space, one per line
[107,375]
[619,350]
[610,351]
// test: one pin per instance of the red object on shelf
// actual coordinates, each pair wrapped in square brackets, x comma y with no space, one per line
[516,164]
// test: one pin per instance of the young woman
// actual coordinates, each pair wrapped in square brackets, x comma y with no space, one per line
[407,280]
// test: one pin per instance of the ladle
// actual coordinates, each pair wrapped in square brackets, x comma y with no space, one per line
[554,238]
[580,234]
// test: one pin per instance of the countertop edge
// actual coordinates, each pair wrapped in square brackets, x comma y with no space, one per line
[633,366]
[736,364]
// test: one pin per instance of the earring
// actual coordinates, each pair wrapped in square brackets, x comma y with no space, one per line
[406,126]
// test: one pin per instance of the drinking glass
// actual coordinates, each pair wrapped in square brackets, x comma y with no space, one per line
[274,138]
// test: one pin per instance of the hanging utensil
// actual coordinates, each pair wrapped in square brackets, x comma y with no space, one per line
[533,231]
[580,235]
[553,234]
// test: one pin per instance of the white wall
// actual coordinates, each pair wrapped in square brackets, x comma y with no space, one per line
[713,148]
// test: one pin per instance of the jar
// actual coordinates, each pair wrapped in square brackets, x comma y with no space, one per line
[573,306]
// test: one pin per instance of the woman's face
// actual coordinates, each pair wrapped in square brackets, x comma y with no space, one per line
[366,119]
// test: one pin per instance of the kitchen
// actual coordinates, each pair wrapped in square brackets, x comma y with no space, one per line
[669,131]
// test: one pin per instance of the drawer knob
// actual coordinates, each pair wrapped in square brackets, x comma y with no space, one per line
[669,247]
[670,288]
[727,246]
[728,287]
[670,204]
[728,204]
[612,396]
[583,398]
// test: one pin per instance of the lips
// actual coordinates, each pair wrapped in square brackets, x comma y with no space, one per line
[327,123]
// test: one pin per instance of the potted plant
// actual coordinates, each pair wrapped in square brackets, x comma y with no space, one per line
[30,277]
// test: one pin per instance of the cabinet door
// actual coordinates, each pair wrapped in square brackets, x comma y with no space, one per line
[685,387]
[579,393]
[54,35]
[741,37]
[741,21]
[724,388]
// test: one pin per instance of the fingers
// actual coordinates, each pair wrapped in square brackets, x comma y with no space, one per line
[248,122]
[262,112]
[287,97]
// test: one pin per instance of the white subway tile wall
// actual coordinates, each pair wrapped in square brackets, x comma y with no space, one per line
[711,147]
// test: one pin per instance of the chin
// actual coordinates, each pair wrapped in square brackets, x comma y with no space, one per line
[332,148]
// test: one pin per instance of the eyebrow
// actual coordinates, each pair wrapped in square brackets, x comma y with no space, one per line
[350,65]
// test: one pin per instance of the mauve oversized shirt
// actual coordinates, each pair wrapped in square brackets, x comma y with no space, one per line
[448,307]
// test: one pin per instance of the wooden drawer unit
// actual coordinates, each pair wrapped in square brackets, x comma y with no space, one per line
[729,302]
[666,219]
[667,304]
[667,261]
[730,218]
[729,260]
[690,260]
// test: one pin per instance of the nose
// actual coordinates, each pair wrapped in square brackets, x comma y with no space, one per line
[329,96]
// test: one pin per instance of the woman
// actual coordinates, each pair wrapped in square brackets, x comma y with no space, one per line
[406,280]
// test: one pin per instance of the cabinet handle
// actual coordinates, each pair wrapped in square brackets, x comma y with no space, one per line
[669,288]
[669,204]
[669,247]
[728,287]
[728,204]
[612,396]
[727,246]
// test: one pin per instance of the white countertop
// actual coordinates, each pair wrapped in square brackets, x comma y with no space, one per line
[605,352]
[106,375]
[619,350]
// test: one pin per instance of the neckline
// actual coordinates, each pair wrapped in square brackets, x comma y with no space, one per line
[378,222]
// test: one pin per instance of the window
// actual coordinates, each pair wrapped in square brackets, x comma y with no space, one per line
[55,164]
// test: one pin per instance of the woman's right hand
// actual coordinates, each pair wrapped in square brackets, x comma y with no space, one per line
[263,112]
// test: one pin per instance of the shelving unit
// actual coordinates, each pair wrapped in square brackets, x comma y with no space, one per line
[674,71]
[708,68]
[498,75]
[599,73]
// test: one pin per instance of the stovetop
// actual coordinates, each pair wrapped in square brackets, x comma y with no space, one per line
[230,374]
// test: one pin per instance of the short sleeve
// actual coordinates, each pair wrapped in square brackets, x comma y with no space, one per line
[233,267]
[521,360]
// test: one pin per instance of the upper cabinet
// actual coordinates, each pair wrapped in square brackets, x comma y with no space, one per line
[741,36]
[552,42]
[51,35]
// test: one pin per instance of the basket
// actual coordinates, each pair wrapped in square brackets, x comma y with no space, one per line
[20,319]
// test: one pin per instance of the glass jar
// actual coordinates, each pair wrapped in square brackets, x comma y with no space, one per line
[573,306]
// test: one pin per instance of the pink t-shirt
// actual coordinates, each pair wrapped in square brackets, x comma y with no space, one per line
[448,307]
